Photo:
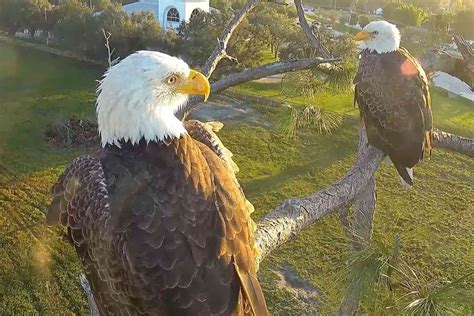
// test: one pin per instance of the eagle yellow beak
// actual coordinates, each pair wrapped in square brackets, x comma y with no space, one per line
[362,36]
[195,83]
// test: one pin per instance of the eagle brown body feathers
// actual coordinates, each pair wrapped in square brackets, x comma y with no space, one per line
[161,229]
[395,104]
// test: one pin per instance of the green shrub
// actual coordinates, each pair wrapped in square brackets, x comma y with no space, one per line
[354,18]
[463,23]
[405,13]
[363,20]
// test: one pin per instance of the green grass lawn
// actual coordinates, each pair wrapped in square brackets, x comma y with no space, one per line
[39,270]
[450,114]
[340,103]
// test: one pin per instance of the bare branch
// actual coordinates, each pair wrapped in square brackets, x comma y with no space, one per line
[220,49]
[107,36]
[454,143]
[467,52]
[361,235]
[290,218]
[93,310]
[254,74]
[294,215]
[314,39]
[268,70]
[363,216]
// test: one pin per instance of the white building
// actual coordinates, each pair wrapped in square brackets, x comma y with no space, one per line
[169,13]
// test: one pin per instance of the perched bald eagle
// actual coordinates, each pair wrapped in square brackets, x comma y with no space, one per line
[392,92]
[157,219]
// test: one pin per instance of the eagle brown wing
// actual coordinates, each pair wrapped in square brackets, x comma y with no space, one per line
[393,97]
[161,229]
[80,202]
[426,105]
[205,133]
[237,244]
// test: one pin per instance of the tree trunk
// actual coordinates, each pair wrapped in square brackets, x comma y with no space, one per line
[32,32]
[361,236]
[453,142]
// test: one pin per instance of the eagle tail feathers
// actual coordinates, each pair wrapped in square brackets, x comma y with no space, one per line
[429,141]
[252,291]
[406,176]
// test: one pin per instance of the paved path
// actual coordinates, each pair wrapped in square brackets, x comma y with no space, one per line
[224,109]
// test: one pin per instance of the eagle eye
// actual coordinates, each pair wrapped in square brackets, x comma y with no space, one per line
[375,32]
[172,79]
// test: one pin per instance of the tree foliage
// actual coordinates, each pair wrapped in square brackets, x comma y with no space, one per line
[9,12]
[271,26]
[75,26]
[34,15]
[129,32]
[23,14]
[363,20]
[275,26]
[463,23]
[405,13]
[354,18]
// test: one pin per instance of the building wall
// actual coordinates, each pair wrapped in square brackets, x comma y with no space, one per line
[196,4]
[184,7]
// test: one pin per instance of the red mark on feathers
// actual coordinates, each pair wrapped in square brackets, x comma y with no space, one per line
[408,68]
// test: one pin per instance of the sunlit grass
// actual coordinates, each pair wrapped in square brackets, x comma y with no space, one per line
[341,103]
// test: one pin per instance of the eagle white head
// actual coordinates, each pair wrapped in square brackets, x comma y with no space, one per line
[379,36]
[138,98]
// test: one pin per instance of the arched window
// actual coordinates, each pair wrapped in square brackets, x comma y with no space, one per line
[172,15]
[195,12]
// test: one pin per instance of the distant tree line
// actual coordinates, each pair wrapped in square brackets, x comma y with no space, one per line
[76,25]
[459,22]
[406,13]
[438,24]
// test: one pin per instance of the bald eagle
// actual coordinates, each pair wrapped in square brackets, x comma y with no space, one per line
[391,90]
[157,219]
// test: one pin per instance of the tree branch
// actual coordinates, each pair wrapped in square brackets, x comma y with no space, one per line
[453,142]
[267,70]
[260,72]
[314,40]
[361,235]
[364,216]
[254,74]
[294,215]
[93,310]
[110,52]
[220,49]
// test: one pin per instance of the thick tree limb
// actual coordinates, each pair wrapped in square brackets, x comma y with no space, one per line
[361,236]
[467,52]
[254,74]
[267,70]
[364,216]
[454,143]
[309,32]
[290,218]
[93,310]
[293,215]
